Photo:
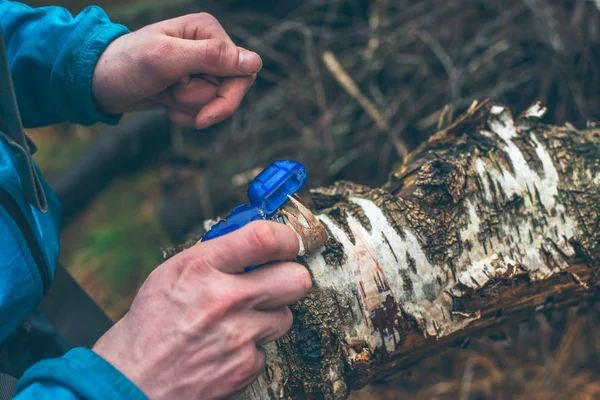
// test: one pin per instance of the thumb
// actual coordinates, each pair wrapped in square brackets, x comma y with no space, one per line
[214,57]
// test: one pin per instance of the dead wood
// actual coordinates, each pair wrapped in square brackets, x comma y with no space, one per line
[493,219]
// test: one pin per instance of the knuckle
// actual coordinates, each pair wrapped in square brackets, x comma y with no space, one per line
[205,18]
[226,296]
[217,288]
[217,310]
[198,265]
[205,258]
[234,338]
[263,237]
[216,52]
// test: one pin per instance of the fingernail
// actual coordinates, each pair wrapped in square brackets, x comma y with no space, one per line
[205,123]
[249,62]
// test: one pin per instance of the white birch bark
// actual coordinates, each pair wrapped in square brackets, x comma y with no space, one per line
[491,219]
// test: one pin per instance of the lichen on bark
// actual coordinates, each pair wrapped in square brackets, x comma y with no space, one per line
[485,221]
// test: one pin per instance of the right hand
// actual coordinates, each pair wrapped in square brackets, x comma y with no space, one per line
[188,65]
[196,327]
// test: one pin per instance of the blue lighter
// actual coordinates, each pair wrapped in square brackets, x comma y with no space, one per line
[268,192]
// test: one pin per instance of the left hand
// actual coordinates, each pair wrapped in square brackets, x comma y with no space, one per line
[198,324]
[188,65]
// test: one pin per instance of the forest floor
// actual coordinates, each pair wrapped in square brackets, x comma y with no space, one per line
[408,59]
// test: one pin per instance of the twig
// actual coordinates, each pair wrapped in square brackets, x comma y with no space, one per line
[467,380]
[545,377]
[346,81]
[437,49]
[446,116]
[481,39]
[377,21]
[444,58]
[319,89]
[259,45]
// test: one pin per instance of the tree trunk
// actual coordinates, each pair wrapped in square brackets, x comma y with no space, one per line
[493,219]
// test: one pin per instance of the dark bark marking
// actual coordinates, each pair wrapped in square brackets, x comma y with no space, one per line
[340,218]
[333,254]
[390,247]
[412,263]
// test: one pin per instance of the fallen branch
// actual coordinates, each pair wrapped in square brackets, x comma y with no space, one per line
[491,220]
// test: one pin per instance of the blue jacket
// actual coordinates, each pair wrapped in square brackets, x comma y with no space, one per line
[52,56]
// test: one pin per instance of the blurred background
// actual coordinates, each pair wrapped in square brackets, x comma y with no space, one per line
[348,87]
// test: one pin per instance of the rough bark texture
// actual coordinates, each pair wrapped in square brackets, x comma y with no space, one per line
[492,219]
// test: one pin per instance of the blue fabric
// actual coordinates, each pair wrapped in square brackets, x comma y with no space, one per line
[79,374]
[20,281]
[52,56]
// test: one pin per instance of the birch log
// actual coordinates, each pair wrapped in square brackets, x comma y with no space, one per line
[492,219]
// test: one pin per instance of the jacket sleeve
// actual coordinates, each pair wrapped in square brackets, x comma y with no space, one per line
[52,56]
[79,374]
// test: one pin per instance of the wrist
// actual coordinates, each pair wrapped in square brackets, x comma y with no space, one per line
[105,77]
[115,348]
[89,54]
[119,347]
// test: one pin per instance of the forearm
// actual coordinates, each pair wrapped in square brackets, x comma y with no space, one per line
[52,57]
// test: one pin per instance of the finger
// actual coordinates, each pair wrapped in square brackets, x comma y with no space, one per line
[182,119]
[230,95]
[262,327]
[208,78]
[274,324]
[193,94]
[188,95]
[261,359]
[261,362]
[247,367]
[255,243]
[277,285]
[212,57]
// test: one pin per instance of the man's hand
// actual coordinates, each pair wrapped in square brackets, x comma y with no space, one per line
[188,65]
[196,327]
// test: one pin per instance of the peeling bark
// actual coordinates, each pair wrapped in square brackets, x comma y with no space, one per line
[492,219]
